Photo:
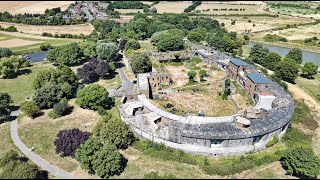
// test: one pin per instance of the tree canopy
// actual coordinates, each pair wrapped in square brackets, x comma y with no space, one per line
[295,54]
[5,111]
[271,60]
[309,69]
[287,70]
[141,63]
[107,51]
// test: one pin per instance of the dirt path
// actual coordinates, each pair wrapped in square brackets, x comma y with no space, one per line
[298,93]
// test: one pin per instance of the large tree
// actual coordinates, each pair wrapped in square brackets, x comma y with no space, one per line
[301,162]
[5,52]
[287,70]
[132,44]
[107,51]
[5,111]
[295,54]
[141,63]
[89,49]
[92,97]
[70,55]
[310,69]
[30,109]
[95,69]
[271,60]
[69,140]
[258,53]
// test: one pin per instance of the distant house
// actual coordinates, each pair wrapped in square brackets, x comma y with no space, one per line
[163,57]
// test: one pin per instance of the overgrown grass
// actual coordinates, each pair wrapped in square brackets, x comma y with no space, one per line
[302,114]
[310,86]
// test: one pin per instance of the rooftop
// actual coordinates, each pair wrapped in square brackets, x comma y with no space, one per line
[238,62]
[257,78]
[143,81]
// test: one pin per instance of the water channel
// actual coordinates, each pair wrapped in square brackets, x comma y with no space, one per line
[307,56]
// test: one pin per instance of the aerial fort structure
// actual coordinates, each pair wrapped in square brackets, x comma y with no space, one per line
[237,134]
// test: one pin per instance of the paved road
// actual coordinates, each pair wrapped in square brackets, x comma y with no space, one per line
[31,155]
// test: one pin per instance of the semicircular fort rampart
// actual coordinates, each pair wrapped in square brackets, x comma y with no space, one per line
[216,136]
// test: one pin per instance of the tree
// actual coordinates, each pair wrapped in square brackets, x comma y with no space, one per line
[132,44]
[107,51]
[51,93]
[202,74]
[95,69]
[301,162]
[15,167]
[84,154]
[45,47]
[53,54]
[9,66]
[5,101]
[141,64]
[89,49]
[271,60]
[93,96]
[195,36]
[68,141]
[30,109]
[287,70]
[69,55]
[258,53]
[5,52]
[108,161]
[192,75]
[116,132]
[310,69]
[60,109]
[295,54]
[170,42]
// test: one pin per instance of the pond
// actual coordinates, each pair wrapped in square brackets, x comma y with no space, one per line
[307,56]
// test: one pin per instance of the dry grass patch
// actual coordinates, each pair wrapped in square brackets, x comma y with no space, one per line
[261,22]
[172,7]
[41,133]
[179,75]
[124,11]
[16,7]
[85,29]
[17,43]
[249,9]
[6,143]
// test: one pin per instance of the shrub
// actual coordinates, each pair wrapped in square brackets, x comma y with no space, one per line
[301,162]
[132,44]
[60,109]
[141,63]
[192,75]
[5,100]
[69,140]
[5,52]
[30,109]
[45,47]
[11,29]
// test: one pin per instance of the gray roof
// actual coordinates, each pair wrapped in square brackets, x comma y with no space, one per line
[257,78]
[238,62]
[143,83]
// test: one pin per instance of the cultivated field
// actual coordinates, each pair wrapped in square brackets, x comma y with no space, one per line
[124,11]
[172,7]
[16,7]
[249,9]
[25,43]
[85,29]
[258,23]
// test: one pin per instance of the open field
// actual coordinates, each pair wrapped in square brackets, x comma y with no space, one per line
[85,29]
[172,7]
[261,22]
[249,9]
[16,7]
[41,133]
[21,87]
[311,86]
[23,43]
[124,11]
[6,143]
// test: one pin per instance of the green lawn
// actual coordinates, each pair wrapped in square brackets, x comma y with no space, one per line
[6,143]
[310,86]
[35,47]
[20,87]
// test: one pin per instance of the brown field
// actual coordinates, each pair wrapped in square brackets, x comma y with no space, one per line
[17,43]
[85,29]
[16,7]
[300,33]
[172,7]
[249,9]
[261,23]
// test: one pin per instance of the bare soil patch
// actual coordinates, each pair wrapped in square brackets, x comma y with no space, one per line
[172,7]
[85,29]
[17,43]
[16,7]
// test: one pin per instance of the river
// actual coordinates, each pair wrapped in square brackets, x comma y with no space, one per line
[307,56]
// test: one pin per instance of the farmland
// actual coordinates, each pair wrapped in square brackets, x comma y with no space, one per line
[16,7]
[171,7]
[85,29]
[208,8]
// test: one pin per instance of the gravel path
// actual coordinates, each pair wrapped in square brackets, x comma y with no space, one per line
[31,155]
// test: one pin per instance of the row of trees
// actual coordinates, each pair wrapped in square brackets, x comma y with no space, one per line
[5,101]
[287,69]
[227,42]
[75,36]
[192,7]
[127,5]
